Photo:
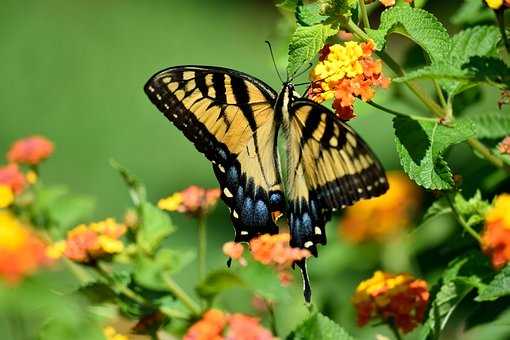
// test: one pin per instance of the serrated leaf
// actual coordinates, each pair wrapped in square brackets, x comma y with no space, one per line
[305,43]
[498,287]
[490,70]
[321,327]
[310,14]
[149,271]
[289,5]
[217,282]
[438,208]
[491,124]
[419,25]
[420,145]
[477,41]
[155,226]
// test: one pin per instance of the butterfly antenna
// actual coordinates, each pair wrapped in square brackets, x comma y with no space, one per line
[274,62]
[302,71]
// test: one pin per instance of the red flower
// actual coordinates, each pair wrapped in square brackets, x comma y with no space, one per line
[13,178]
[401,299]
[31,150]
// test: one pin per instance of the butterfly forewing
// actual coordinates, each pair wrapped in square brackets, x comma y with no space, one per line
[229,117]
[330,167]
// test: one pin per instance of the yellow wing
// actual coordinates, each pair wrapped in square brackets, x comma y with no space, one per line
[330,167]
[229,117]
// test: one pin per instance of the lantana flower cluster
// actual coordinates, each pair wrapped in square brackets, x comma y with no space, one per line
[401,299]
[270,250]
[194,200]
[86,243]
[382,217]
[27,151]
[504,146]
[218,325]
[22,251]
[497,4]
[496,234]
[346,71]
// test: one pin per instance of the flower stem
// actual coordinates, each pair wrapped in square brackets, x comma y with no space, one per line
[394,330]
[487,154]
[462,221]
[181,295]
[272,318]
[396,113]
[364,14]
[202,247]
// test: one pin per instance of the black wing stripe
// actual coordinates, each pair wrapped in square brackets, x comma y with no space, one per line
[218,81]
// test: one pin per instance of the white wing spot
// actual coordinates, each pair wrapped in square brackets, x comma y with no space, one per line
[244,232]
[175,115]
[158,96]
[166,80]
[222,169]
[360,190]
[318,231]
[227,193]
[151,88]
[234,213]
[382,180]
[369,187]
[166,106]
[308,244]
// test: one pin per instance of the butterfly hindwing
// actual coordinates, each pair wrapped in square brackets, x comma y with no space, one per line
[229,117]
[330,167]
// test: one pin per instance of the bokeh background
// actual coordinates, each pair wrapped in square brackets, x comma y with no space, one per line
[73,71]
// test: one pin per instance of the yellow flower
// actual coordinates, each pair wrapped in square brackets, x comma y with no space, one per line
[110,245]
[500,211]
[494,4]
[6,196]
[111,334]
[56,250]
[12,233]
[171,203]
[31,177]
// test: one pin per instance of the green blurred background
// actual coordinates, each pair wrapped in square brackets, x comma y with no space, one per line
[73,71]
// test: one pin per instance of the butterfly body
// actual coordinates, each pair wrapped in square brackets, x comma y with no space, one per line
[235,119]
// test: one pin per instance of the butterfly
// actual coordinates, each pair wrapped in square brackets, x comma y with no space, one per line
[234,120]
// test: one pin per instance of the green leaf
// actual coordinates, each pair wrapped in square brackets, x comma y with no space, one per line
[217,282]
[149,271]
[498,287]
[136,188]
[471,12]
[437,71]
[419,25]
[155,226]
[71,209]
[97,292]
[438,208]
[491,124]
[310,14]
[420,145]
[305,43]
[477,41]
[490,70]
[321,327]
[289,5]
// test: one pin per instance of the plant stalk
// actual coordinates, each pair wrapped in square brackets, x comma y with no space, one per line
[500,18]
[364,14]
[487,154]
[181,295]
[202,247]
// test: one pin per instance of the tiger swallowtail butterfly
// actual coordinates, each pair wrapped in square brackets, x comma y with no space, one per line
[234,120]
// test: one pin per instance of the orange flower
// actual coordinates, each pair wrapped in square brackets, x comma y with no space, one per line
[215,323]
[243,327]
[210,327]
[85,243]
[194,200]
[504,146]
[388,3]
[381,217]
[496,235]
[13,178]
[346,71]
[21,251]
[401,299]
[30,150]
